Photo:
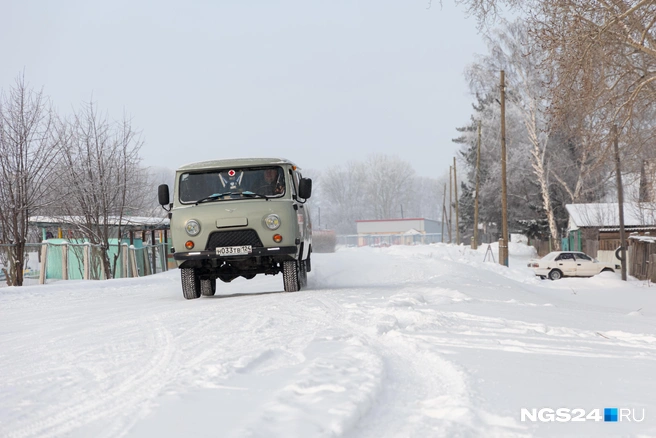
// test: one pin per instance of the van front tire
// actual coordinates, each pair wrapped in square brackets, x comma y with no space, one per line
[190,283]
[290,276]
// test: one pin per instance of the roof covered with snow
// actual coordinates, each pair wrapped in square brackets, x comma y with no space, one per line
[140,222]
[607,215]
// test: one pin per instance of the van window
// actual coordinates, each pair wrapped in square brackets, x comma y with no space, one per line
[235,183]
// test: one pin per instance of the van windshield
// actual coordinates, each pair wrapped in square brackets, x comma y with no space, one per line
[235,183]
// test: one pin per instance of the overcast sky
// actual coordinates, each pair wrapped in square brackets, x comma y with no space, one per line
[317,82]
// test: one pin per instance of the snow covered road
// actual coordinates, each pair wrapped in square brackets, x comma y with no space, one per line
[424,341]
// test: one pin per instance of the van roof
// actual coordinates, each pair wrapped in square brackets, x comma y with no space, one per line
[234,162]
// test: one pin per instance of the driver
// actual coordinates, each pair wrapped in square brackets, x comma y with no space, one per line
[272,184]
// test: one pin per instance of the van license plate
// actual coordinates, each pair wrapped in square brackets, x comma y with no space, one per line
[234,250]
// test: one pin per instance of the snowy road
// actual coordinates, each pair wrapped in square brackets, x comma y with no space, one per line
[392,342]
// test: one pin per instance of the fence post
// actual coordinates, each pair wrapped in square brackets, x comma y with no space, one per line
[124,260]
[44,263]
[85,260]
[163,260]
[133,261]
[64,261]
[103,274]
[146,260]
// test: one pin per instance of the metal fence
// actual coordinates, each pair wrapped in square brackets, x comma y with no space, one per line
[378,240]
[46,262]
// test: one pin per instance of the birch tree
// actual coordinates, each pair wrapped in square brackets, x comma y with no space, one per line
[508,51]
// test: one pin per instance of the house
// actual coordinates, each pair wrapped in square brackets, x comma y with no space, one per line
[595,230]
[385,232]
[601,222]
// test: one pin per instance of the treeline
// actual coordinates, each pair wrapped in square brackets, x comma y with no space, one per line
[579,76]
[83,166]
[380,187]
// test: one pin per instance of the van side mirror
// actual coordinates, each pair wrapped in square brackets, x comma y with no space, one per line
[305,188]
[163,194]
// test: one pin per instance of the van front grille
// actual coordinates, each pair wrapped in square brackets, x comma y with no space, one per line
[233,238]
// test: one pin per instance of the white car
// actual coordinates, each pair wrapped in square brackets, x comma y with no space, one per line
[558,264]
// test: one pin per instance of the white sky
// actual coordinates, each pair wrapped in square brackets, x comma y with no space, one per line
[315,82]
[405,341]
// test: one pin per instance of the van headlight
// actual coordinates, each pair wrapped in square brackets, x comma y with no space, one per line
[272,221]
[192,227]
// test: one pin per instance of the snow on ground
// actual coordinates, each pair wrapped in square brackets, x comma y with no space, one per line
[406,341]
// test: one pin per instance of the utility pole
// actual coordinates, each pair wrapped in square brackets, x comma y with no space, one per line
[620,200]
[455,188]
[450,203]
[474,244]
[503,243]
[443,211]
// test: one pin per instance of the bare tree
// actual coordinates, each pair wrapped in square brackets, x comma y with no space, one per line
[103,178]
[342,193]
[604,53]
[28,154]
[391,180]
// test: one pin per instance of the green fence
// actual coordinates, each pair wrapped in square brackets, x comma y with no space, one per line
[60,259]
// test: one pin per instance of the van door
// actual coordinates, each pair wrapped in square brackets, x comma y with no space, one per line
[304,221]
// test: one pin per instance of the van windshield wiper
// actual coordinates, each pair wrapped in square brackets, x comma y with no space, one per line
[213,197]
[217,196]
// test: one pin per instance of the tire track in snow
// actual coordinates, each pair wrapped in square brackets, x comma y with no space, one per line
[128,388]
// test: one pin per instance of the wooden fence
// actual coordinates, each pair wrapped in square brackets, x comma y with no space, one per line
[641,259]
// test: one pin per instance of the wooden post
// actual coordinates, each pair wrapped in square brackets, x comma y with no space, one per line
[478,180]
[146,261]
[133,261]
[620,200]
[44,263]
[503,258]
[455,191]
[125,256]
[154,255]
[86,257]
[64,261]
[443,211]
[162,249]
[450,202]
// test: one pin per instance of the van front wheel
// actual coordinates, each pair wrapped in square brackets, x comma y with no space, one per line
[190,283]
[290,276]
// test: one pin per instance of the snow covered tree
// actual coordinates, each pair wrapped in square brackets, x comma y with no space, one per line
[382,187]
[103,178]
[342,194]
[390,181]
[28,156]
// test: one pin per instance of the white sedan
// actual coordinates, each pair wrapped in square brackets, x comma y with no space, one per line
[558,264]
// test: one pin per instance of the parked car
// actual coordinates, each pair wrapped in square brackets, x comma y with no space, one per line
[558,264]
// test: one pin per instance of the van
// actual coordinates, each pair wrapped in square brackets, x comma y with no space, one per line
[239,218]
